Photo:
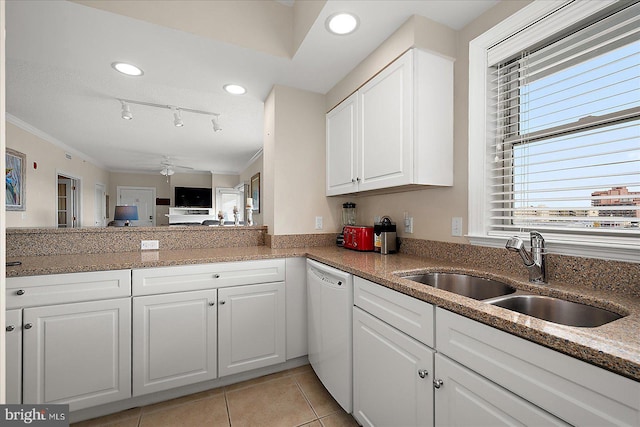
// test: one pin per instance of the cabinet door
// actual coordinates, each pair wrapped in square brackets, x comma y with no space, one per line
[251,327]
[342,140]
[385,126]
[77,354]
[174,340]
[13,341]
[392,375]
[466,399]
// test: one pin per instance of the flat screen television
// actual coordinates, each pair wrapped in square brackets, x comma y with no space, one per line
[192,197]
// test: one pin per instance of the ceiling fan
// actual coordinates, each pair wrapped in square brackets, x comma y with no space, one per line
[169,168]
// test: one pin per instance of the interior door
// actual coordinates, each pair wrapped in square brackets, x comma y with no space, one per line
[65,203]
[142,197]
[100,206]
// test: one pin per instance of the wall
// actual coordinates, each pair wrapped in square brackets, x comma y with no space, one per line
[431,209]
[294,164]
[41,185]
[164,189]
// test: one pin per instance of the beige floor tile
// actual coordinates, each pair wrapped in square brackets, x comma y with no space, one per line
[274,403]
[320,399]
[182,400]
[260,380]
[128,418]
[339,419]
[210,412]
[312,424]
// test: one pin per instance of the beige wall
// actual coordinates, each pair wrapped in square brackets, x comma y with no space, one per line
[294,163]
[431,209]
[164,189]
[41,183]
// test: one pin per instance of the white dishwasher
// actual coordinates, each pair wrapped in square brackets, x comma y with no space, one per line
[330,327]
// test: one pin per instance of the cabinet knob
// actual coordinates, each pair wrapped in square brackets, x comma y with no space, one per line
[212,303]
[10,328]
[20,292]
[216,276]
[28,325]
[358,179]
[422,373]
[222,302]
[353,180]
[438,383]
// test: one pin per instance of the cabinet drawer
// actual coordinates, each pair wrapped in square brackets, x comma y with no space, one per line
[64,288]
[573,390]
[160,280]
[410,315]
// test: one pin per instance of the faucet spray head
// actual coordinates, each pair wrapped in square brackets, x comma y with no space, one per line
[515,244]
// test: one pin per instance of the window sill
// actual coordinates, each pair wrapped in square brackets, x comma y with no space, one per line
[608,249]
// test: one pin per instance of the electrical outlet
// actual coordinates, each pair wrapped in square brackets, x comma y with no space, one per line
[408,225]
[146,245]
[318,223]
[456,226]
[376,220]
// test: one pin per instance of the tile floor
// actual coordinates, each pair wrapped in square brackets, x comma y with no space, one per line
[291,398]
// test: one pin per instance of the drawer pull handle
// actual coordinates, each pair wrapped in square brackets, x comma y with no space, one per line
[28,326]
[222,302]
[438,383]
[10,328]
[422,373]
[20,292]
[216,276]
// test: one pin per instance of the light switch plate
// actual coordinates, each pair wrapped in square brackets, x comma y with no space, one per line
[456,226]
[318,223]
[408,225]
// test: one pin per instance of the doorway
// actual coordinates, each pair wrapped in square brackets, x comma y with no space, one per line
[100,206]
[142,197]
[68,201]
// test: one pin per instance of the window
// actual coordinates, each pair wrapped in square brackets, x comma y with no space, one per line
[562,155]
[228,200]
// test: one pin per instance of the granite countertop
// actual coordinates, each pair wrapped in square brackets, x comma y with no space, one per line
[614,346]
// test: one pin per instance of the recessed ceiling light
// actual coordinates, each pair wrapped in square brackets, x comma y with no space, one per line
[342,23]
[128,69]
[235,89]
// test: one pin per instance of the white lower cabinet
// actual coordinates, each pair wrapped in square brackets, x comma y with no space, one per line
[13,342]
[464,398]
[77,354]
[393,375]
[252,327]
[174,340]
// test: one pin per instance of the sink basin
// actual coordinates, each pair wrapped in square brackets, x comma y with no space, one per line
[557,310]
[463,284]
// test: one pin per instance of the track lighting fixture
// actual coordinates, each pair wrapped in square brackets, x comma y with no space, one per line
[177,112]
[177,118]
[216,123]
[126,111]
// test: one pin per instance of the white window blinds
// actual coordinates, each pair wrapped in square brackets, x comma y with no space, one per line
[566,152]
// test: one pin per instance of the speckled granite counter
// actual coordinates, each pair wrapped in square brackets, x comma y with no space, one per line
[614,346]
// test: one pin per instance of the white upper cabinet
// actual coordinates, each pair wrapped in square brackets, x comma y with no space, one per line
[396,131]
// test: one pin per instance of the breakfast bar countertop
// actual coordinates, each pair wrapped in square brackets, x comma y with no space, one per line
[614,346]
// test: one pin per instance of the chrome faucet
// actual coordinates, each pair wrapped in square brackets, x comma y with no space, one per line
[535,262]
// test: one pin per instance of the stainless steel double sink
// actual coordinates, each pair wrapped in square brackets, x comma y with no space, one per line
[500,294]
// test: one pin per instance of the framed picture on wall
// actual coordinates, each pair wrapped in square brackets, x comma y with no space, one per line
[15,178]
[255,191]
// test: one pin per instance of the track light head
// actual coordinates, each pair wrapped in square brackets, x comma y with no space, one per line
[216,123]
[177,118]
[126,111]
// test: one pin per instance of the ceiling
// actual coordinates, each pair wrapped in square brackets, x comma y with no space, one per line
[60,84]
